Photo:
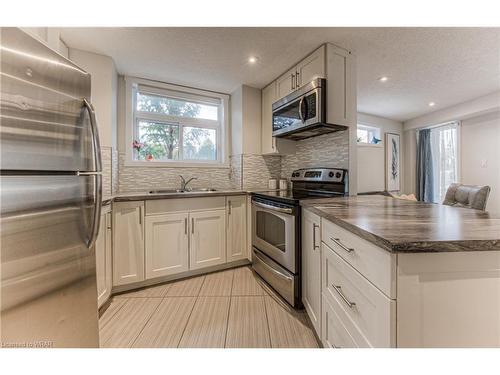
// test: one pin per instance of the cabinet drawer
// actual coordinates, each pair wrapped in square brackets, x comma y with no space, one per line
[160,206]
[336,334]
[366,307]
[374,263]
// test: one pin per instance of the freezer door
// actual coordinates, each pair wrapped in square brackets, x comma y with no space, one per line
[46,121]
[48,282]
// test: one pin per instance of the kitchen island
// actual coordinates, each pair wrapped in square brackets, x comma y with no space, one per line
[397,273]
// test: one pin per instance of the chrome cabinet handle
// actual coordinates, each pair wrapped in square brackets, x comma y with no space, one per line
[314,236]
[338,289]
[293,81]
[140,215]
[297,81]
[337,241]
[95,135]
[185,226]
[229,208]
[192,225]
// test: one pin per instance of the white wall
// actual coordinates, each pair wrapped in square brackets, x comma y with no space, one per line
[371,158]
[103,92]
[480,155]
[246,120]
[479,148]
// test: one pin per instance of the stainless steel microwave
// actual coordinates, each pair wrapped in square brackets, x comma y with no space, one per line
[302,114]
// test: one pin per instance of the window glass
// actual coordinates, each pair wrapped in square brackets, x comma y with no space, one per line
[199,143]
[368,134]
[157,141]
[175,107]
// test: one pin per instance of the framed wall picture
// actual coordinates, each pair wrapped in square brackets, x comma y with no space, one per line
[392,162]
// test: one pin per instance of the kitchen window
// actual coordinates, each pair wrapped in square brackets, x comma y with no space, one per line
[175,126]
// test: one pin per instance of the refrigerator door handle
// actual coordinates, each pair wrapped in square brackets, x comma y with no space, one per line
[95,135]
[97,211]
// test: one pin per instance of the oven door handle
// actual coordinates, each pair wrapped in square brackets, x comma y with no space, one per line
[273,208]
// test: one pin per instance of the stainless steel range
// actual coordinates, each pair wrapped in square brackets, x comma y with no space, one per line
[276,254]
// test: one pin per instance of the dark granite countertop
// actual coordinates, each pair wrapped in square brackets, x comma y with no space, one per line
[407,226]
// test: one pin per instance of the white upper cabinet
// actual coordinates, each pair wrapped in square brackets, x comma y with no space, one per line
[286,83]
[312,67]
[128,244]
[236,228]
[270,144]
[167,240]
[208,238]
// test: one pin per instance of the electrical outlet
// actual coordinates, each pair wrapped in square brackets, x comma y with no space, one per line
[484,163]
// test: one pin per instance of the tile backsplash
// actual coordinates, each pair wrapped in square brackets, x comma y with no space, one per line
[247,171]
[145,178]
[328,150]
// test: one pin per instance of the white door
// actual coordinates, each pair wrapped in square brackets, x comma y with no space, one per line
[208,238]
[167,244]
[100,257]
[128,244]
[236,228]
[311,268]
[312,67]
[285,84]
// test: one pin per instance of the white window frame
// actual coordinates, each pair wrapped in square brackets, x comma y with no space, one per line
[132,85]
[366,125]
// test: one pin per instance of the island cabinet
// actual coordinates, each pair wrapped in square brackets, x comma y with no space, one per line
[358,291]
[104,257]
[373,296]
[128,242]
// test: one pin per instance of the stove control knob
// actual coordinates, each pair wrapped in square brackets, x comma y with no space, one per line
[338,174]
[330,174]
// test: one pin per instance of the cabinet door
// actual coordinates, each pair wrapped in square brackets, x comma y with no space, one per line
[236,228]
[208,238]
[311,268]
[128,244]
[268,98]
[285,84]
[109,257]
[100,257]
[167,249]
[312,67]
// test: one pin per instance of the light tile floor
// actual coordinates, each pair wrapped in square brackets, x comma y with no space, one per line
[226,309]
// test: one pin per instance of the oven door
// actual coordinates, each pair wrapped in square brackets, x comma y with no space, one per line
[273,232]
[298,113]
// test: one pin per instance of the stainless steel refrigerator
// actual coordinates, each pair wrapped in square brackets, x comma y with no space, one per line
[50,197]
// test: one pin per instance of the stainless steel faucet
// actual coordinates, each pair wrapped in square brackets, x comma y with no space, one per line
[184,183]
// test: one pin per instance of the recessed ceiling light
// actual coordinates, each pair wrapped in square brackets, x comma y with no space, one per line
[252,59]
[383,79]
[432,104]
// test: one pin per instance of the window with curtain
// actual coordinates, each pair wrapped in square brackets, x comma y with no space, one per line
[437,161]
[444,146]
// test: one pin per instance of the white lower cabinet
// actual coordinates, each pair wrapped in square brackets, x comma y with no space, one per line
[236,247]
[128,242]
[208,239]
[103,258]
[311,268]
[167,244]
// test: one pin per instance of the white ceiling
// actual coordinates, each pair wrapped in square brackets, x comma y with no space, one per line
[444,65]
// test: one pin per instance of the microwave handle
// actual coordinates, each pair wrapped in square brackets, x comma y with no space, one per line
[301,105]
